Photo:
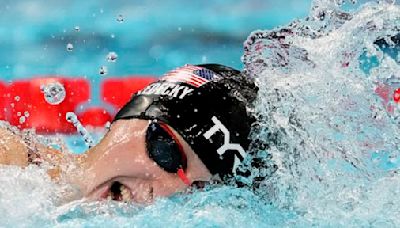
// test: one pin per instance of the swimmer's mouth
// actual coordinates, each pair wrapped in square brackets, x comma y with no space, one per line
[118,192]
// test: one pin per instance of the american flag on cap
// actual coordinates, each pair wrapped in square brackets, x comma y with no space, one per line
[190,74]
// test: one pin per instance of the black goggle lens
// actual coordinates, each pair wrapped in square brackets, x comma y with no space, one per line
[163,149]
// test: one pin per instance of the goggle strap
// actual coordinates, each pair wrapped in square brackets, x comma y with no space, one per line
[183,177]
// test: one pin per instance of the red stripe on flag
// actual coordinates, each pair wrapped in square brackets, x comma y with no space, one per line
[186,76]
[187,80]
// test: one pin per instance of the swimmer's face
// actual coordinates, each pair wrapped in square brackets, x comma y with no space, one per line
[120,168]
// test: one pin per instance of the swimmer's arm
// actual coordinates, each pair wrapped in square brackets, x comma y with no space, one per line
[14,151]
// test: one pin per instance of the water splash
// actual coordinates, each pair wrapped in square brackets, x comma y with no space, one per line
[331,136]
[72,118]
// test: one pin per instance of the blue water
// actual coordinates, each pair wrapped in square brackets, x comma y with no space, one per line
[154,36]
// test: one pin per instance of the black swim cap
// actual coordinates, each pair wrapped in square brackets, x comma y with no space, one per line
[208,105]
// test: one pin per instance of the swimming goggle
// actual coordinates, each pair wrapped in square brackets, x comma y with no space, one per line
[165,149]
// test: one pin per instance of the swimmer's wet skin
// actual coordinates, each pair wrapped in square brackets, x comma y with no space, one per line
[190,126]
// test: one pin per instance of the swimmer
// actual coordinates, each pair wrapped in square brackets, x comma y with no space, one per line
[188,128]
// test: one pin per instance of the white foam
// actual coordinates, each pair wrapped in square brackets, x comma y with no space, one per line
[329,120]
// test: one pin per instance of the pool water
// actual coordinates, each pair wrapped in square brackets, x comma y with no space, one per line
[149,37]
[333,139]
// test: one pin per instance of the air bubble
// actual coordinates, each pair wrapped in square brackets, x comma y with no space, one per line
[112,57]
[17,98]
[26,113]
[77,28]
[54,93]
[70,47]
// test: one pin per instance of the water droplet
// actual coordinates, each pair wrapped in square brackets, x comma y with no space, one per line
[77,28]
[72,118]
[204,59]
[70,47]
[103,70]
[107,126]
[54,93]
[17,98]
[120,18]
[112,57]
[392,159]
[22,119]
